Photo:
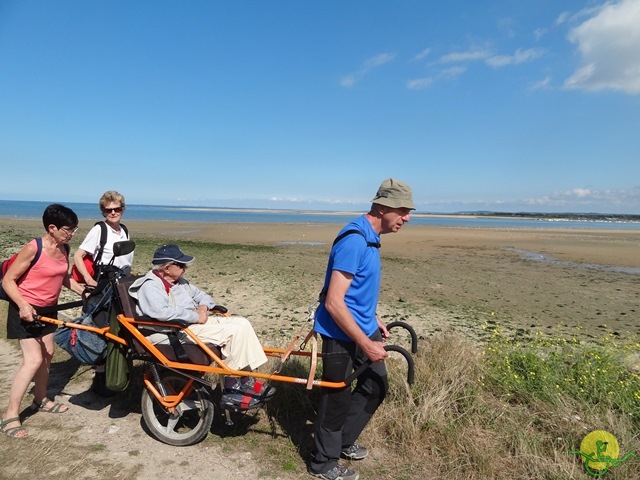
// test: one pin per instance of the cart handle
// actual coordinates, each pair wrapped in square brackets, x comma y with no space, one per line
[408,328]
[388,348]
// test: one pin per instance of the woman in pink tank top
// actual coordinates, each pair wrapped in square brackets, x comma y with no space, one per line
[31,289]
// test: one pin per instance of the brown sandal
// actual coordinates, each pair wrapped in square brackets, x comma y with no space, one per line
[55,408]
[13,431]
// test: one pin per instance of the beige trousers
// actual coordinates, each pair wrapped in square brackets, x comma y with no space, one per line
[235,336]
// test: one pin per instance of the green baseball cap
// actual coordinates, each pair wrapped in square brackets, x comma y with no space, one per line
[395,194]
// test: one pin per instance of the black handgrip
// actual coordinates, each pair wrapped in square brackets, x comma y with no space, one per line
[389,348]
[170,323]
[57,308]
[220,309]
[408,328]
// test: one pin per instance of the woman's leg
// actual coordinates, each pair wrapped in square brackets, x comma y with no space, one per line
[31,362]
[41,378]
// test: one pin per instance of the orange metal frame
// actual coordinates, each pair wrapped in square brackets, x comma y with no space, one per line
[218,366]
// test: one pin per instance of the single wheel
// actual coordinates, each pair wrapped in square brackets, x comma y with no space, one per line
[190,420]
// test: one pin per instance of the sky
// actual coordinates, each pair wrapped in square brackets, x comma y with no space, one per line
[504,105]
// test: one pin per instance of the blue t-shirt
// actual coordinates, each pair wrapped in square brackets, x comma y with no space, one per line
[352,255]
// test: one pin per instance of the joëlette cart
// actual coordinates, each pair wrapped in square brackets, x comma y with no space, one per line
[176,402]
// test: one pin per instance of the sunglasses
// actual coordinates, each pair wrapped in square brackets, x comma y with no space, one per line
[183,266]
[113,210]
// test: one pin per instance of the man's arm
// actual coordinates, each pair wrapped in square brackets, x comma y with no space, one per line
[334,303]
[153,301]
[72,285]
[200,297]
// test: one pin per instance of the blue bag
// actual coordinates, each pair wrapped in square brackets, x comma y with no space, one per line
[86,347]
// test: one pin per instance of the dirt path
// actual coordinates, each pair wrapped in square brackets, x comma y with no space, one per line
[101,438]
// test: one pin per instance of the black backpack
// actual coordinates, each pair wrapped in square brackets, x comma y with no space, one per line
[103,239]
[97,270]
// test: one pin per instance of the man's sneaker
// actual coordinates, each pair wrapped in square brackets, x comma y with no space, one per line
[355,452]
[339,472]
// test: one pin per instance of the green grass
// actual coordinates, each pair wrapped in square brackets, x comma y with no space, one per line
[554,370]
[507,409]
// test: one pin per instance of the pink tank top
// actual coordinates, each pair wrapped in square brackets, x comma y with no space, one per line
[42,284]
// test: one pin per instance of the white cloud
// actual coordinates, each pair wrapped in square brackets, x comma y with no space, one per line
[314,203]
[609,46]
[419,83]
[348,81]
[506,25]
[519,56]
[447,73]
[424,53]
[580,192]
[452,72]
[580,198]
[538,33]
[562,18]
[369,64]
[378,60]
[541,85]
[620,201]
[474,54]
[486,55]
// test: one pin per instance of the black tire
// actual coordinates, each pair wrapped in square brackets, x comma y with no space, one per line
[192,419]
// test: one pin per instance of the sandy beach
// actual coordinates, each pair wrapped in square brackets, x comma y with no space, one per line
[564,282]
[581,284]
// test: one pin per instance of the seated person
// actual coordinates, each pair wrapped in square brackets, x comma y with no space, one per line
[163,294]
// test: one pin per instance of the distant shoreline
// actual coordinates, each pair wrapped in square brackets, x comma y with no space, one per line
[601,246]
[37,206]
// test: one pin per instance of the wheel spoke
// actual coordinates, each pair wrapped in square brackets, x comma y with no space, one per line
[172,422]
[190,404]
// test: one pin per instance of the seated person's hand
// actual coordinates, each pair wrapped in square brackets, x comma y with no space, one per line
[203,314]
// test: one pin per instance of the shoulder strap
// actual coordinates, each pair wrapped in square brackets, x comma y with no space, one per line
[38,251]
[7,263]
[103,241]
[351,232]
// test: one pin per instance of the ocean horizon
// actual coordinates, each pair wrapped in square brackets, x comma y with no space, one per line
[24,209]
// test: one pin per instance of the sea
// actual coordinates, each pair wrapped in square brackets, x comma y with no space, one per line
[33,210]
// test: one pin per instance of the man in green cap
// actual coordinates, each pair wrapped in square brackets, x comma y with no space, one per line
[352,333]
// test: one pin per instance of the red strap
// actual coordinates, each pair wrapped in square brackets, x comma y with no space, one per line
[257,386]
[246,399]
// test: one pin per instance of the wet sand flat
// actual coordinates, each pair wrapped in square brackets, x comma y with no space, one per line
[575,282]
